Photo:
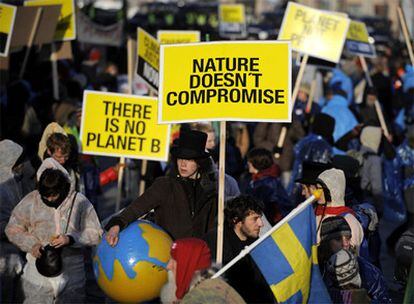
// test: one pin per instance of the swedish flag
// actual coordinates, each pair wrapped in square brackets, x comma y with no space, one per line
[287,258]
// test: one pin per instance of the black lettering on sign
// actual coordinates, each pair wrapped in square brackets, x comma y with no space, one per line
[116,142]
[155,145]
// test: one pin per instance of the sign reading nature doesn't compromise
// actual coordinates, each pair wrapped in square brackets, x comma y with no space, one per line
[66,27]
[7,18]
[235,81]
[123,125]
[320,34]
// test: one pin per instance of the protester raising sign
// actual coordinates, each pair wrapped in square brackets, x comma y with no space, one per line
[239,81]
[148,52]
[66,27]
[7,17]
[123,125]
[173,37]
[357,40]
[314,32]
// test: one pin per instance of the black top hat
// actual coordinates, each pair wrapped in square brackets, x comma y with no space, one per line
[191,145]
[324,125]
[311,171]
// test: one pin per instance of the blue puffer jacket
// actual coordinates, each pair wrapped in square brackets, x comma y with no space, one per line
[345,84]
[345,120]
[310,148]
[270,191]
[406,159]
[395,184]
[373,281]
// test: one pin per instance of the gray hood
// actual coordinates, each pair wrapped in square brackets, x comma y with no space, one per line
[10,153]
[334,180]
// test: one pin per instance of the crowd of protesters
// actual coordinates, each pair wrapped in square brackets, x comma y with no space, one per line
[49,190]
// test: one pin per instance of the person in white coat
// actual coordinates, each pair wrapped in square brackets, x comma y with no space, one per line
[56,216]
[332,203]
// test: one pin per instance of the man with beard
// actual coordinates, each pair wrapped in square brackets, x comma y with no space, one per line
[243,217]
[188,276]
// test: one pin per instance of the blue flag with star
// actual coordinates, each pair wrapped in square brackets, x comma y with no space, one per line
[288,260]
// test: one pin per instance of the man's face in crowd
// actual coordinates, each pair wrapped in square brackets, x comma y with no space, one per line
[59,156]
[211,141]
[307,190]
[187,167]
[250,226]
[168,290]
[371,100]
[252,169]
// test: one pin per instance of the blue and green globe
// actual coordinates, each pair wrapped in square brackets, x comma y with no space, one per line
[134,270]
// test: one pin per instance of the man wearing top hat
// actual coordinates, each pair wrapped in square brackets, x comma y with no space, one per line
[184,201]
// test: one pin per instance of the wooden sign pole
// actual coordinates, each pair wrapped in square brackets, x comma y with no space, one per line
[406,34]
[283,132]
[377,105]
[55,75]
[220,211]
[131,57]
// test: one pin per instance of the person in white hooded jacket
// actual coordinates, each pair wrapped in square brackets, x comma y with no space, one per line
[332,203]
[44,217]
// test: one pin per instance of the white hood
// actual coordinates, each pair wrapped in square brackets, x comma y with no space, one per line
[334,180]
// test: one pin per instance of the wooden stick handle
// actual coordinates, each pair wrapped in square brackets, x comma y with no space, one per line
[144,166]
[381,119]
[130,50]
[220,210]
[283,132]
[281,140]
[299,79]
[311,96]
[55,72]
[406,34]
[366,71]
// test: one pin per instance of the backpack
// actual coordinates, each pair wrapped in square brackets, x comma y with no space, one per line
[404,254]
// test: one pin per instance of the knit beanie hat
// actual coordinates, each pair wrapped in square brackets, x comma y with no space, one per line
[342,268]
[371,137]
[191,254]
[333,227]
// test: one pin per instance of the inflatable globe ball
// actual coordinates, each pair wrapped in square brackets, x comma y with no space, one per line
[134,270]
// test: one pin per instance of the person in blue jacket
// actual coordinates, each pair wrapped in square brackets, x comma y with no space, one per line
[316,147]
[344,83]
[266,186]
[337,107]
[336,235]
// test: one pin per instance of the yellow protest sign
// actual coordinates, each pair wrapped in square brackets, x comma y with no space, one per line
[314,32]
[123,125]
[239,81]
[232,20]
[174,37]
[148,52]
[66,27]
[7,18]
[357,40]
